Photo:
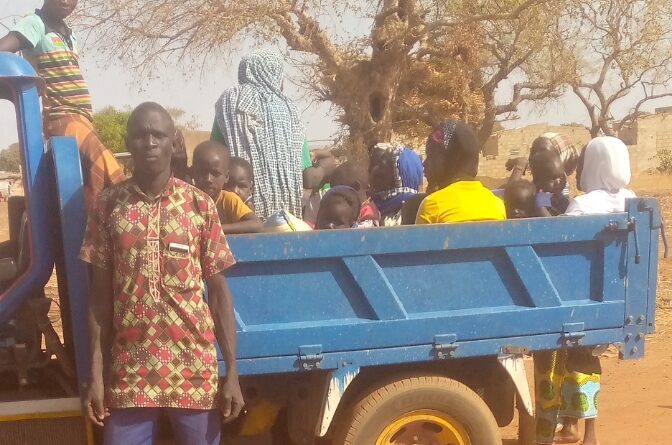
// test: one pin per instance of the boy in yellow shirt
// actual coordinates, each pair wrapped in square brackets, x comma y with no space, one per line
[210,171]
[452,165]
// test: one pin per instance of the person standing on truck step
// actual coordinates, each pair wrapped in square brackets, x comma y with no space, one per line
[152,241]
[452,165]
[51,47]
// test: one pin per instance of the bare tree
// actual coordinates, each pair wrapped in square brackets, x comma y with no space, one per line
[621,50]
[360,74]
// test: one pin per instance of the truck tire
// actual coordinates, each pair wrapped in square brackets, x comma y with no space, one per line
[418,410]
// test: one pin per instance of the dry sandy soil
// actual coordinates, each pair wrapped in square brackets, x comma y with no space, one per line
[636,400]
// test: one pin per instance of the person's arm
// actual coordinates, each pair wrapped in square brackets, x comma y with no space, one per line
[97,250]
[249,223]
[220,301]
[517,167]
[100,340]
[13,42]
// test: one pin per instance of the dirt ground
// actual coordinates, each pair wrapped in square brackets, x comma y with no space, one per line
[636,404]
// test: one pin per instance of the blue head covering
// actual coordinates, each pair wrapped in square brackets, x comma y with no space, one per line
[408,174]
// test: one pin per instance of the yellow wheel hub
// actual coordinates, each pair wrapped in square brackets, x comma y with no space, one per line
[426,427]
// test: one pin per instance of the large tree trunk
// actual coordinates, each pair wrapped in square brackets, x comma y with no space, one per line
[366,90]
[489,119]
[365,98]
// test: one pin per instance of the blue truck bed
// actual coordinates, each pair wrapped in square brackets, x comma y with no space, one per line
[399,295]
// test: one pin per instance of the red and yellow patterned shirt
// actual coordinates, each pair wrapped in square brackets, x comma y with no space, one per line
[161,250]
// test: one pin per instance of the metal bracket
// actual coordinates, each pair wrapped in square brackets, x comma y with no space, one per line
[515,350]
[572,334]
[310,357]
[444,346]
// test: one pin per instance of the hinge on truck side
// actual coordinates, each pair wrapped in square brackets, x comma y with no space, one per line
[573,333]
[310,357]
[444,346]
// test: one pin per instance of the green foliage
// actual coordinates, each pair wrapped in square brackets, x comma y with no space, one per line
[110,124]
[10,159]
[664,158]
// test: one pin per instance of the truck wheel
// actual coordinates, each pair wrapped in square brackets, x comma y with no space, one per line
[418,410]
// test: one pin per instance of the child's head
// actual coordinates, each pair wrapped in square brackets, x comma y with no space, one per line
[354,175]
[59,9]
[339,209]
[452,154]
[210,167]
[548,173]
[606,165]
[241,179]
[519,199]
[394,167]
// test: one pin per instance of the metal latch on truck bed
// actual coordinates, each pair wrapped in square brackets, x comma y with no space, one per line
[629,226]
[310,357]
[572,333]
[444,346]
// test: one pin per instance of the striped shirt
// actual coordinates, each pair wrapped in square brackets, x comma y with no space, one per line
[54,56]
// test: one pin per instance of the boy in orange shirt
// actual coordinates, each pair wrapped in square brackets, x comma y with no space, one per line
[210,171]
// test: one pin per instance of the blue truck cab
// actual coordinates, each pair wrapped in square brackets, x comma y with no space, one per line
[377,336]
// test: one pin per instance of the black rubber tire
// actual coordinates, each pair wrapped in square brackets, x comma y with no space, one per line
[365,420]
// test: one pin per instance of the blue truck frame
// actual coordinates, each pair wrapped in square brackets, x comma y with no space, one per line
[339,304]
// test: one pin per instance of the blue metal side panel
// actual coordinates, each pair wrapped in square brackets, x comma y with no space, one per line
[19,79]
[69,180]
[479,283]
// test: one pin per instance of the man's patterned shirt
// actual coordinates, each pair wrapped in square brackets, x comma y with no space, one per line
[161,250]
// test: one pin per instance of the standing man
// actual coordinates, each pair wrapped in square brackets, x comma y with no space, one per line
[51,47]
[152,241]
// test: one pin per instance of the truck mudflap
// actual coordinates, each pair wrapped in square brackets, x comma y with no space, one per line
[339,381]
[514,365]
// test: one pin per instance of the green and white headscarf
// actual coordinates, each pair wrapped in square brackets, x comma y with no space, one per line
[261,125]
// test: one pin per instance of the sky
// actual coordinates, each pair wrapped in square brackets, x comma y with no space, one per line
[116,85]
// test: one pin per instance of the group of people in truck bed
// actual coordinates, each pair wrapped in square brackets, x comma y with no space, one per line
[153,239]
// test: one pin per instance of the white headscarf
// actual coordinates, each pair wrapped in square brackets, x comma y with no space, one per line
[605,176]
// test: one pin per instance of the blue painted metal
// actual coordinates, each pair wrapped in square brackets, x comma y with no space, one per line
[72,211]
[384,296]
[19,84]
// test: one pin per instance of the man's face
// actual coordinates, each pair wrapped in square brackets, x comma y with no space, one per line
[150,141]
[60,9]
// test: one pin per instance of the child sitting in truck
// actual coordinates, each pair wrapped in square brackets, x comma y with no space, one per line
[241,180]
[550,179]
[210,170]
[520,199]
[351,174]
[452,164]
[339,209]
[395,172]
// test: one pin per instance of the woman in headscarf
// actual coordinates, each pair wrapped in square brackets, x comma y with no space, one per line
[604,177]
[452,165]
[547,142]
[261,125]
[395,176]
